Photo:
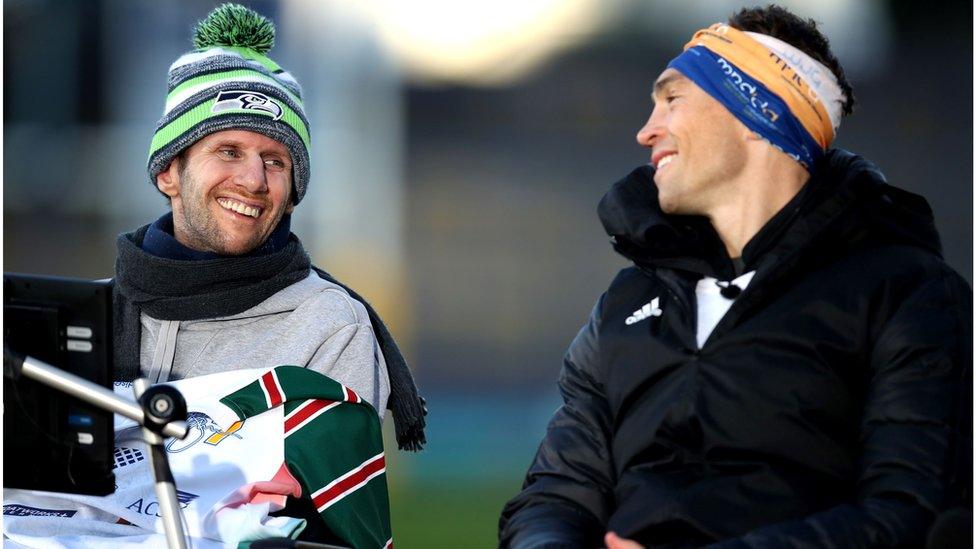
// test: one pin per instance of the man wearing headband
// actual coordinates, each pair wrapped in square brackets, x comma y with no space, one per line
[788,360]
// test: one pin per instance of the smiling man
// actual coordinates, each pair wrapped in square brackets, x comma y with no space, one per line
[788,361]
[220,283]
[229,191]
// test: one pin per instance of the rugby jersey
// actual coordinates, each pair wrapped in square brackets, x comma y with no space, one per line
[255,437]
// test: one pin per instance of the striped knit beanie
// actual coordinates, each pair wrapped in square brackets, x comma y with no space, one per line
[228,82]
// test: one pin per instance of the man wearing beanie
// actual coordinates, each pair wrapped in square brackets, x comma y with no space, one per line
[788,360]
[220,283]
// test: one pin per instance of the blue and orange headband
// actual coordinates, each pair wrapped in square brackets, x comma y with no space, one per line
[776,90]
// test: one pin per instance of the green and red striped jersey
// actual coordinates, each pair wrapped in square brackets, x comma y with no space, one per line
[333,447]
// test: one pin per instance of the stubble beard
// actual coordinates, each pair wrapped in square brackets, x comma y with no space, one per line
[200,227]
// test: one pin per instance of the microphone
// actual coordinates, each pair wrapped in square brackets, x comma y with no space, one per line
[728,290]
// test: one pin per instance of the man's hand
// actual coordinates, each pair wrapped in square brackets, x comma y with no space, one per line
[614,541]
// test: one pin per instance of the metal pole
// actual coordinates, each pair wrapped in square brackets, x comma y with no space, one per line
[97,395]
[169,504]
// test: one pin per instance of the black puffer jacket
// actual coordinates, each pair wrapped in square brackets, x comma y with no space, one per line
[830,407]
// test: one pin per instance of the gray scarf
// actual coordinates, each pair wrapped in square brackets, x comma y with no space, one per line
[169,289]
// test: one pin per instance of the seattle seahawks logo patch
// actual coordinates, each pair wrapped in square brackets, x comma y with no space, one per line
[233,100]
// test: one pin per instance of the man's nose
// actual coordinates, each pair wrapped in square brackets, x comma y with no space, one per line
[652,130]
[251,175]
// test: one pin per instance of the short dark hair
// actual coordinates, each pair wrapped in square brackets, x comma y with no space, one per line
[801,33]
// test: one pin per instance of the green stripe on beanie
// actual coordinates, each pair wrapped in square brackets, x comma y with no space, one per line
[169,131]
[229,83]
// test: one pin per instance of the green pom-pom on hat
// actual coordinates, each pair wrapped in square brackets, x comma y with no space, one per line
[233,25]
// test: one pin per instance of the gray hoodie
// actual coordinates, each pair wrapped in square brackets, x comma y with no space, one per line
[312,323]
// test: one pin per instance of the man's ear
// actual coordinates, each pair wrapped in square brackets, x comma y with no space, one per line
[290,208]
[168,180]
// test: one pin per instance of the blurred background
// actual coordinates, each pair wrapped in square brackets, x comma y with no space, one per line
[459,152]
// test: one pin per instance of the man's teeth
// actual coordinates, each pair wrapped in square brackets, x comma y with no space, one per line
[239,207]
[665,161]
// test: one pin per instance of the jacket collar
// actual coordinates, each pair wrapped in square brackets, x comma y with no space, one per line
[847,201]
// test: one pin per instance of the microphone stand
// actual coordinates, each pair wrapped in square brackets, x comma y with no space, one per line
[161,410]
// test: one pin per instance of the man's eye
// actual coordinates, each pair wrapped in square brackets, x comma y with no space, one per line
[669,99]
[274,164]
[229,153]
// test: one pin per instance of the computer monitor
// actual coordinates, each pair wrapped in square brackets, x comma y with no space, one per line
[51,441]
